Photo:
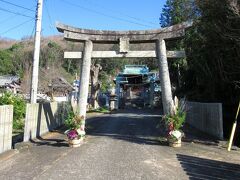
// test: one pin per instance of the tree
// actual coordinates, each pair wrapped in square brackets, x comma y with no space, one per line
[95,85]
[51,55]
[177,11]
[213,52]
[13,60]
[212,47]
[6,62]
[174,12]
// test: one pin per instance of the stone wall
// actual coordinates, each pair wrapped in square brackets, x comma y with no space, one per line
[6,121]
[44,117]
[207,117]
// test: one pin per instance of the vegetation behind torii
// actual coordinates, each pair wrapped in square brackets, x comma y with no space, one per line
[16,59]
[211,71]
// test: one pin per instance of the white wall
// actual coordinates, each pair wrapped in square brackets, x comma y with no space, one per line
[6,121]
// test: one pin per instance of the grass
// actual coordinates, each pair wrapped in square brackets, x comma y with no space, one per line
[99,110]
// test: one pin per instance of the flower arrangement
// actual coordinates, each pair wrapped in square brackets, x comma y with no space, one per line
[175,120]
[72,134]
[76,126]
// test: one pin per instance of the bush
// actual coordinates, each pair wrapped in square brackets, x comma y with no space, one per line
[69,121]
[19,108]
[175,119]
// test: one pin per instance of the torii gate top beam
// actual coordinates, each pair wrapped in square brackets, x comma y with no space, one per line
[78,34]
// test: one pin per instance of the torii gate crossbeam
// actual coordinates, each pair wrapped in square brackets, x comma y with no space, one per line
[129,54]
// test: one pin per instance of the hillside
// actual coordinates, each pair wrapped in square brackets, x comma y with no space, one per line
[17,59]
[6,43]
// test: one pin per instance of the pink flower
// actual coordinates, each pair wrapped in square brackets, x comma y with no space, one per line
[72,134]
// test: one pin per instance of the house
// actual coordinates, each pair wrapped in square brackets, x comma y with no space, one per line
[60,89]
[10,83]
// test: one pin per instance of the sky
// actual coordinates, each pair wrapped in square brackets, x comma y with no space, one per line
[17,17]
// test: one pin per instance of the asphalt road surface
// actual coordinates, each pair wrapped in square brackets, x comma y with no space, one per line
[124,146]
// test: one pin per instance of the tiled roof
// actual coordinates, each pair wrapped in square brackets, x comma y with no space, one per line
[61,83]
[8,79]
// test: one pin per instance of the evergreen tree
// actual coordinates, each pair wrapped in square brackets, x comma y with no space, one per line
[213,47]
[177,11]
[174,12]
[165,17]
[213,51]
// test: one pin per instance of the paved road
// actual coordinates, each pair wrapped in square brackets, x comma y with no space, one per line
[120,146]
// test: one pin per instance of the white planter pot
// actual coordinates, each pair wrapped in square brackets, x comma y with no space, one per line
[75,142]
[174,142]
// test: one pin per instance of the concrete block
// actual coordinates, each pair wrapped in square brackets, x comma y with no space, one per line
[6,121]
[43,117]
[206,117]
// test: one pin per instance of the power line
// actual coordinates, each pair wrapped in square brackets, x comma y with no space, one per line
[16,13]
[103,14]
[31,37]
[17,5]
[49,17]
[124,14]
[16,26]
[11,17]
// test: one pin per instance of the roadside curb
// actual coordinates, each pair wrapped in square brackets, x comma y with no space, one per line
[8,154]
[21,146]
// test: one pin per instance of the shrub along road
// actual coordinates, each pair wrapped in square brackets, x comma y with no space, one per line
[120,146]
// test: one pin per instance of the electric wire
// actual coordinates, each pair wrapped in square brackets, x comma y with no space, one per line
[16,5]
[16,13]
[2,33]
[31,37]
[123,14]
[103,14]
[11,17]
[49,17]
[7,19]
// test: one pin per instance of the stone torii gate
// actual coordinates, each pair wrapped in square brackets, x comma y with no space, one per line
[124,38]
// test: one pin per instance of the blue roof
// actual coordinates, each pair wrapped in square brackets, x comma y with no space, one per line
[136,69]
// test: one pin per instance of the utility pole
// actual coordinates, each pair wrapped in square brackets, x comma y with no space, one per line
[34,84]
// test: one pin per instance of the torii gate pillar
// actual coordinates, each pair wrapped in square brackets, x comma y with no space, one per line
[164,75]
[84,78]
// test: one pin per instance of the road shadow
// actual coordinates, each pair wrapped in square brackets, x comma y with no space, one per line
[140,128]
[194,135]
[59,141]
[49,142]
[200,168]
[133,139]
